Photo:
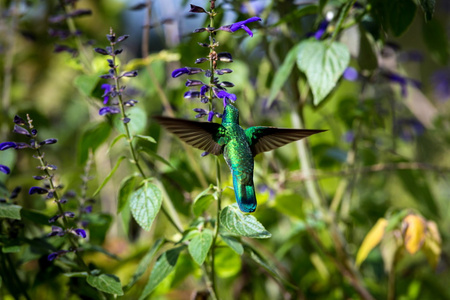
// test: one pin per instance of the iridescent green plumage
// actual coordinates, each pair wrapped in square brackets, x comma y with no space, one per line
[238,146]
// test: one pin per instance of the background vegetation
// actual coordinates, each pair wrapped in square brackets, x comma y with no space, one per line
[358,212]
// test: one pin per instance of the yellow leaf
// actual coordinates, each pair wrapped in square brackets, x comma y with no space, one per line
[371,240]
[432,246]
[414,230]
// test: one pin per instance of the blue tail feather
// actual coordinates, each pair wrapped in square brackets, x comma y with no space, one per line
[245,195]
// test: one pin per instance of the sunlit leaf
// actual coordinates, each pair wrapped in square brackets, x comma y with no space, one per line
[372,239]
[10,211]
[144,263]
[233,243]
[108,177]
[200,245]
[414,229]
[125,190]
[203,201]
[241,224]
[146,138]
[106,283]
[331,60]
[162,268]
[92,138]
[390,249]
[145,204]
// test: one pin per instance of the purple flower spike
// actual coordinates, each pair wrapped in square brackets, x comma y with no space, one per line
[57,254]
[241,25]
[204,89]
[37,190]
[351,74]
[210,116]
[179,72]
[81,232]
[56,231]
[108,110]
[4,169]
[7,145]
[88,209]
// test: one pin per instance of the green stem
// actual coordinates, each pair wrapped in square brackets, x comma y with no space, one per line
[135,160]
[391,284]
[61,210]
[342,17]
[217,225]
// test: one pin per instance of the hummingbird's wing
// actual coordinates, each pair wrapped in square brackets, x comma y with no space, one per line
[201,135]
[262,139]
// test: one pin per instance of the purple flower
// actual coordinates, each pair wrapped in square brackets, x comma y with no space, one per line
[351,74]
[225,96]
[48,142]
[408,128]
[53,219]
[57,254]
[108,110]
[240,25]
[37,190]
[349,136]
[80,232]
[321,30]
[4,169]
[179,72]
[441,84]
[7,145]
[210,116]
[402,81]
[107,89]
[191,94]
[88,209]
[56,231]
[69,214]
[20,130]
[204,89]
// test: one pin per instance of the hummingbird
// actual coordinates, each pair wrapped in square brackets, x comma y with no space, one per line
[237,145]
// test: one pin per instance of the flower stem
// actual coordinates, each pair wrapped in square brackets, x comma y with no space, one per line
[74,244]
[135,160]
[342,17]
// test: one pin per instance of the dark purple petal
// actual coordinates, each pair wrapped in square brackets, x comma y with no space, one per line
[223,71]
[48,142]
[52,256]
[4,169]
[190,82]
[241,25]
[225,57]
[191,94]
[200,110]
[321,30]
[101,51]
[200,30]
[118,51]
[204,154]
[201,60]
[15,192]
[351,74]
[224,95]
[37,190]
[22,145]
[80,232]
[204,89]
[179,72]
[69,214]
[18,120]
[197,9]
[194,70]
[130,74]
[226,84]
[53,219]
[88,209]
[349,136]
[122,38]
[20,130]
[441,84]
[108,110]
[210,116]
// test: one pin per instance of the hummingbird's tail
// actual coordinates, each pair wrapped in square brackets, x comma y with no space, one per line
[245,195]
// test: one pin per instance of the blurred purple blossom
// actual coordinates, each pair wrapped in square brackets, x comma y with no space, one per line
[441,84]
[7,145]
[351,74]
[4,169]
[402,81]
[240,25]
[408,128]
[349,136]
[107,90]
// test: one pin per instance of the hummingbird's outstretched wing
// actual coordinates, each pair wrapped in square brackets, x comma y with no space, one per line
[262,139]
[201,135]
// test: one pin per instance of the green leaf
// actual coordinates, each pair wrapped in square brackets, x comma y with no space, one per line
[92,138]
[322,65]
[199,246]
[367,57]
[116,139]
[428,8]
[35,216]
[256,257]
[86,83]
[144,263]
[297,14]
[203,201]
[10,211]
[436,40]
[400,15]
[146,138]
[11,248]
[76,274]
[244,225]
[107,178]
[143,148]
[138,121]
[283,73]
[125,189]
[163,267]
[145,204]
[106,283]
[233,243]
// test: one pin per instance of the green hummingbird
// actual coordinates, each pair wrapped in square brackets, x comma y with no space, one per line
[238,146]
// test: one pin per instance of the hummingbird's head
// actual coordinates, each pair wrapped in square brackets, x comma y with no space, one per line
[230,114]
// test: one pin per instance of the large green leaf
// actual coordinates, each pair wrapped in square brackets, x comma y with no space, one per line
[10,211]
[233,243]
[125,190]
[106,283]
[283,73]
[145,204]
[322,64]
[86,83]
[244,225]
[203,201]
[92,138]
[400,15]
[163,267]
[200,244]
[367,57]
[144,263]
[436,39]
[108,177]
